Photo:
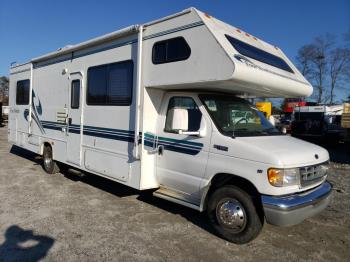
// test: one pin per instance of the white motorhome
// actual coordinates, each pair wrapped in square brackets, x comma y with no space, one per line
[161,106]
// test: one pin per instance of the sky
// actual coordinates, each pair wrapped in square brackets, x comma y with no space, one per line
[32,28]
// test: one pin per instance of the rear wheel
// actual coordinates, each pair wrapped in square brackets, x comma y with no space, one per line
[50,165]
[233,215]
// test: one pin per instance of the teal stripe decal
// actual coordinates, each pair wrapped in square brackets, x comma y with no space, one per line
[176,145]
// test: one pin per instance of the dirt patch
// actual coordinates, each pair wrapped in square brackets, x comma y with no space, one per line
[94,219]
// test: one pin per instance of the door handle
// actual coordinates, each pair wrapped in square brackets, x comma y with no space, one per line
[70,121]
[158,150]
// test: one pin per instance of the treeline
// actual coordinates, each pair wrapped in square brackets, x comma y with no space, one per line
[325,62]
[4,90]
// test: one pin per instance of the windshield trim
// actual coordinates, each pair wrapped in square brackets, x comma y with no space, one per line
[233,135]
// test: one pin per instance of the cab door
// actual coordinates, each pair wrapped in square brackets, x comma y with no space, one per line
[74,123]
[182,158]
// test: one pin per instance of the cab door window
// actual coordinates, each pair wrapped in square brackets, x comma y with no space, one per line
[194,114]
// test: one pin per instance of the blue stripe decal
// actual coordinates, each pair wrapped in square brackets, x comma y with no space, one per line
[174,30]
[68,57]
[176,145]
[52,127]
[109,136]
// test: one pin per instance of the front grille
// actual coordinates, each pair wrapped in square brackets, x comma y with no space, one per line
[312,174]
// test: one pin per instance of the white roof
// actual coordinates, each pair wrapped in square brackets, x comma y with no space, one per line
[227,70]
[334,109]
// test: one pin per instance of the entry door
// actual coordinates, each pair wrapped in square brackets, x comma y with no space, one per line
[74,119]
[182,159]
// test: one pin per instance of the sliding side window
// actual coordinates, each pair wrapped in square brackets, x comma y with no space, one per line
[110,84]
[22,92]
[170,50]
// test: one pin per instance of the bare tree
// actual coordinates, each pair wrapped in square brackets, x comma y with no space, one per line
[347,38]
[320,59]
[338,66]
[324,66]
[312,61]
[347,65]
[304,59]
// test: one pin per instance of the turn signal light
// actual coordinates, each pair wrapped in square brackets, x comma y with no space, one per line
[275,177]
[283,177]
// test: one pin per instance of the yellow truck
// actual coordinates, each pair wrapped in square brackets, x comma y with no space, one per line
[345,120]
[265,107]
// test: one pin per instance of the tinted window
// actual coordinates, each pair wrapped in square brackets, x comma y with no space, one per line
[194,114]
[75,94]
[22,92]
[171,50]
[110,84]
[258,54]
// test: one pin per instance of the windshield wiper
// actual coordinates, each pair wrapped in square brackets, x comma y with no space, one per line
[239,129]
[251,132]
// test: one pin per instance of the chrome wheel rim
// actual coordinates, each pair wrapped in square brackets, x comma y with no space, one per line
[231,214]
[47,160]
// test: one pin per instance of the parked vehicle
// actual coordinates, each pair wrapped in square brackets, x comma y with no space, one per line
[345,120]
[5,112]
[265,108]
[158,106]
[291,103]
[318,122]
[288,109]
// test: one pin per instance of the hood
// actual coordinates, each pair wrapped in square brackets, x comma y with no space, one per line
[286,151]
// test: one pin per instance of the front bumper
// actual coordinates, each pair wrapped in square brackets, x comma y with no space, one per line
[293,209]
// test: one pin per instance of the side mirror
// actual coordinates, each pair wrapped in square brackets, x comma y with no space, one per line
[200,133]
[179,117]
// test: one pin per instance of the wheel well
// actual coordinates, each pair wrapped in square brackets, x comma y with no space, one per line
[222,179]
[45,144]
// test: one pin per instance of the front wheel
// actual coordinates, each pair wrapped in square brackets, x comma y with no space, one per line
[50,165]
[233,215]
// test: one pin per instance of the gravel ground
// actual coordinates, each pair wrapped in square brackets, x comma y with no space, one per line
[68,218]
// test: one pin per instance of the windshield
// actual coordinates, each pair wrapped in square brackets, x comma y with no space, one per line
[236,117]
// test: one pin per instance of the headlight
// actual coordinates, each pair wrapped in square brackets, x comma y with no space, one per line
[324,169]
[283,177]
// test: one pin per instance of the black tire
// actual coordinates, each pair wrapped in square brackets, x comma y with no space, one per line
[50,166]
[241,230]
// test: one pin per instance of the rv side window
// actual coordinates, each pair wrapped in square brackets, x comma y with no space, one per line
[75,94]
[258,54]
[22,92]
[194,114]
[171,50]
[110,84]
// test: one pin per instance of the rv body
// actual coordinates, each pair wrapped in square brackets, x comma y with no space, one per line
[146,106]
